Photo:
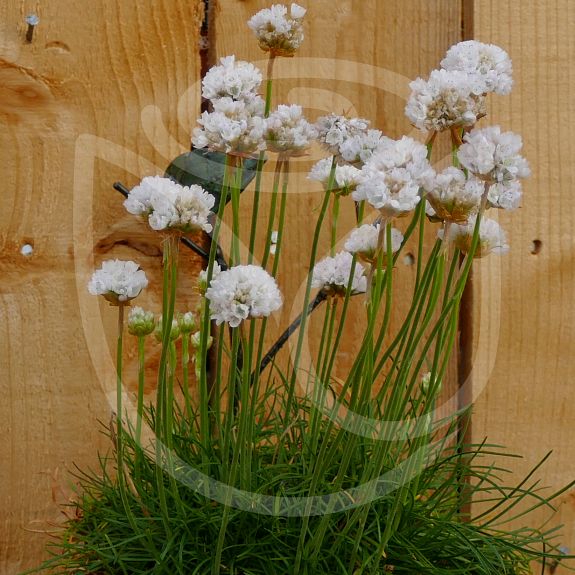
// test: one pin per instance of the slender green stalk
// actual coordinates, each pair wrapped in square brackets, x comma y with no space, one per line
[141,384]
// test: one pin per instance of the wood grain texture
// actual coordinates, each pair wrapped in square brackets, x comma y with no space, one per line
[357,58]
[106,91]
[524,307]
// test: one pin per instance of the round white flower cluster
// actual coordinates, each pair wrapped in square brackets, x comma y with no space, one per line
[141,322]
[452,195]
[333,274]
[491,237]
[287,131]
[238,80]
[346,177]
[454,96]
[391,178]
[363,241]
[167,205]
[448,99]
[242,292]
[488,63]
[232,127]
[493,155]
[359,147]
[334,131]
[278,32]
[118,281]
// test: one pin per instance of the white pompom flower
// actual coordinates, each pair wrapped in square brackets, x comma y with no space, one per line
[493,155]
[505,195]
[488,63]
[118,281]
[233,127]
[279,31]
[447,100]
[166,205]
[492,238]
[363,241]
[346,177]
[334,131]
[242,292]
[359,147]
[392,177]
[288,132]
[452,195]
[333,274]
[233,78]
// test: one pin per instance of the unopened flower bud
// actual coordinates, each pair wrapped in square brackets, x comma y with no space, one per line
[141,322]
[187,322]
[196,340]
[174,332]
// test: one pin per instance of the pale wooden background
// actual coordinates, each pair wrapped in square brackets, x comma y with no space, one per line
[127,73]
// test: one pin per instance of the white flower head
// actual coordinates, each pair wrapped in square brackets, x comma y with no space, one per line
[505,195]
[363,241]
[242,292]
[448,99]
[334,131]
[238,80]
[452,196]
[279,30]
[493,155]
[232,127]
[141,322]
[492,238]
[203,277]
[391,178]
[118,281]
[333,274]
[488,63]
[288,132]
[346,177]
[359,147]
[167,205]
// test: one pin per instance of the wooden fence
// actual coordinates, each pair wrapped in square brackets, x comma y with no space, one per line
[109,90]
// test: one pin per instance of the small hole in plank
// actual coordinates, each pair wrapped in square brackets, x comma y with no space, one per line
[27,250]
[536,247]
[409,259]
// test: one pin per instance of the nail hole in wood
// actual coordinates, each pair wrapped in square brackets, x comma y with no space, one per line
[536,247]
[409,259]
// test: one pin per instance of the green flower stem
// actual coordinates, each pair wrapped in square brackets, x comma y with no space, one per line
[272,212]
[260,165]
[186,376]
[334,218]
[119,407]
[282,215]
[236,189]
[307,296]
[141,382]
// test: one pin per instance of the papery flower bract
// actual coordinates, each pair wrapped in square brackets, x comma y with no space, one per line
[118,281]
[448,99]
[505,195]
[141,322]
[233,78]
[332,275]
[167,205]
[346,177]
[493,155]
[363,241]
[492,238]
[278,32]
[242,292]
[391,178]
[487,62]
[232,127]
[334,131]
[452,196]
[288,132]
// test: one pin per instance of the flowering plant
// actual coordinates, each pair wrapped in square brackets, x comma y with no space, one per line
[260,466]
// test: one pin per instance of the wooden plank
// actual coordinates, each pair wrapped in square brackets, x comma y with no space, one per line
[357,58]
[524,302]
[106,91]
